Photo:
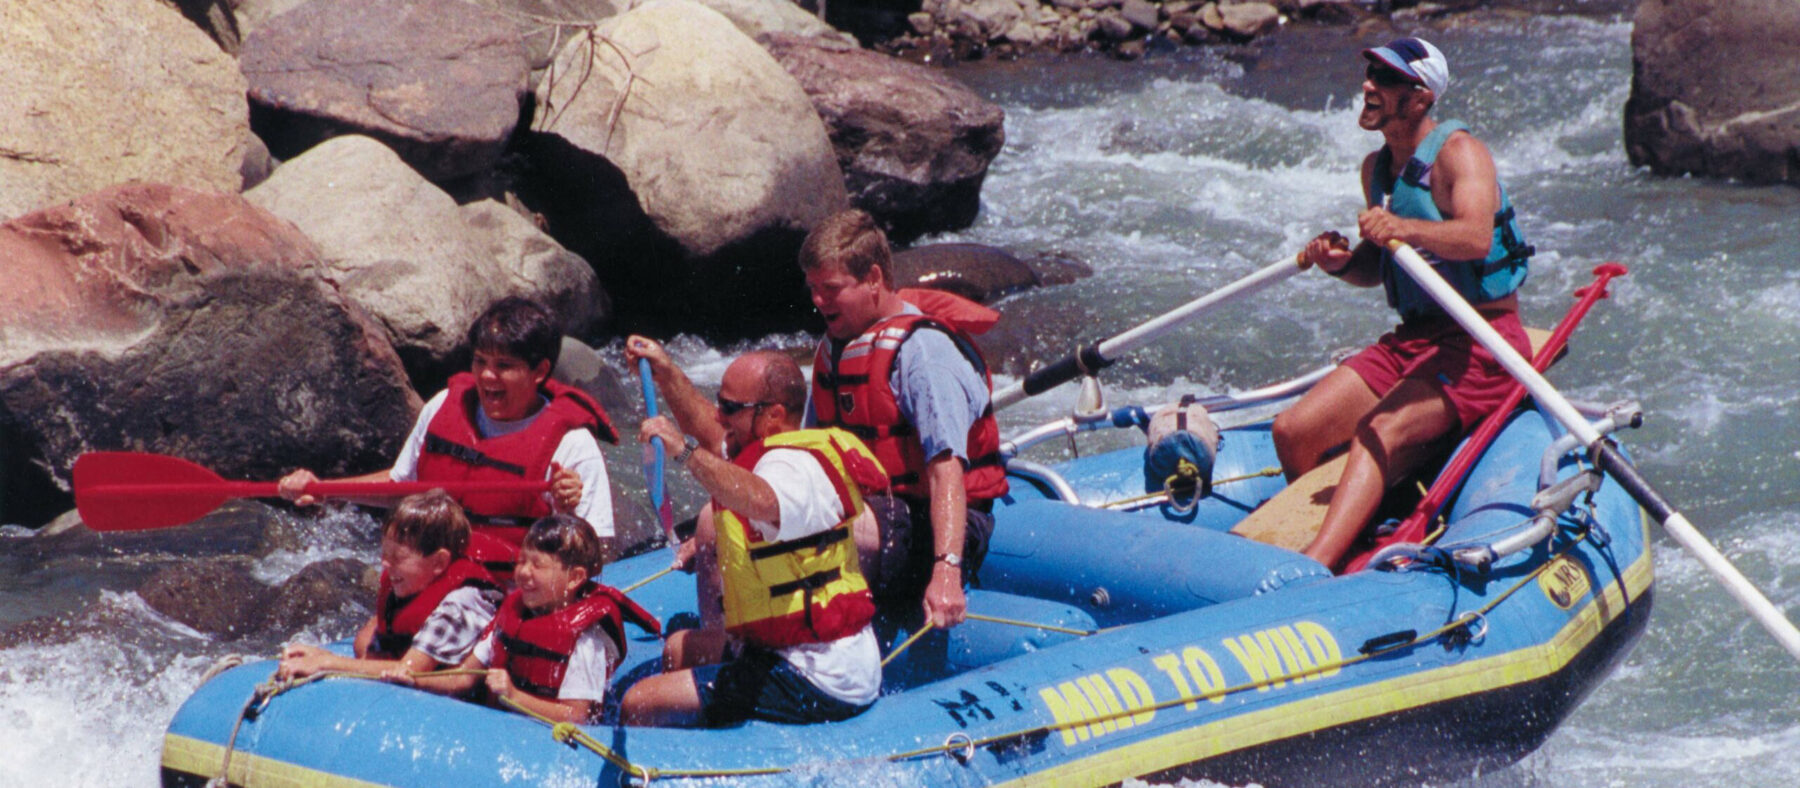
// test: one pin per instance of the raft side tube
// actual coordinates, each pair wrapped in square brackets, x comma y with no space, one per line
[1124,568]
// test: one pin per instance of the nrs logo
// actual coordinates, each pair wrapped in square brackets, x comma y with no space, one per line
[1564,582]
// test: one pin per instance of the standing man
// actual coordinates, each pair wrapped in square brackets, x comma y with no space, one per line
[779,530]
[915,388]
[1431,185]
[506,419]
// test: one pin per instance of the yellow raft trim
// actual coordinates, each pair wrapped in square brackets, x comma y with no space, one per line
[1356,704]
[193,756]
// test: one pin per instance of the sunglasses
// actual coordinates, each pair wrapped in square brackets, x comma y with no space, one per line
[733,407]
[1386,77]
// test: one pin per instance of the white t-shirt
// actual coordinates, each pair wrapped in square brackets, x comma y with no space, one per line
[848,668]
[585,678]
[578,452]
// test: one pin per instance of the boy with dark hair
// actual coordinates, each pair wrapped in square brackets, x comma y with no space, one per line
[506,419]
[559,635]
[433,604]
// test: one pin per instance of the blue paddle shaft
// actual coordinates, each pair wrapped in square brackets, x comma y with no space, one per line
[653,468]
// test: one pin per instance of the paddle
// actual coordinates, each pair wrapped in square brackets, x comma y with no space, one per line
[1412,529]
[1103,353]
[653,460]
[1603,454]
[135,491]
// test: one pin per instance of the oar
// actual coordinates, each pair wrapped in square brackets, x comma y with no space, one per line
[1103,353]
[1412,529]
[135,491]
[1606,456]
[653,462]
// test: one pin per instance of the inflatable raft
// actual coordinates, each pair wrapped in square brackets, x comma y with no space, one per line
[1115,634]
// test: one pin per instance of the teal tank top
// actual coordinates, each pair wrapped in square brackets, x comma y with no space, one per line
[1479,281]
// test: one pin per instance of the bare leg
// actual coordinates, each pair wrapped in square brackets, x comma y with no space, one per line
[665,699]
[1390,442]
[692,648]
[709,590]
[1326,418]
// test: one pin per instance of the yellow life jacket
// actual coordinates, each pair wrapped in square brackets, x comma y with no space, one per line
[806,590]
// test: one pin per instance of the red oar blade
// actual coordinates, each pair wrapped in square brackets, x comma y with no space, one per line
[134,491]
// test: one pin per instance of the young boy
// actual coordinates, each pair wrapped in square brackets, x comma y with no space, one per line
[434,601]
[558,636]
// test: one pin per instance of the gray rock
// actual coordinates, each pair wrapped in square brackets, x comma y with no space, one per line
[338,588]
[1715,89]
[413,259]
[440,81]
[1140,13]
[1113,26]
[100,92]
[215,17]
[156,318]
[679,158]
[1249,20]
[914,144]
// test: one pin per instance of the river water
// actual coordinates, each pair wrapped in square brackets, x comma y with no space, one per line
[1172,177]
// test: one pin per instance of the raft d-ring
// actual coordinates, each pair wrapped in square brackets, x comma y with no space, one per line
[1476,635]
[635,778]
[963,753]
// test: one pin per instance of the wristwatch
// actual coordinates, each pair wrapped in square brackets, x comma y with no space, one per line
[953,559]
[688,445]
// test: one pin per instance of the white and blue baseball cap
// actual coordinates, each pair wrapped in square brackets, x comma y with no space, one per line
[1417,60]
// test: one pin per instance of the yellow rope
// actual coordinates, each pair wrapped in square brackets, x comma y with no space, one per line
[646,581]
[1031,625]
[1124,502]
[906,645]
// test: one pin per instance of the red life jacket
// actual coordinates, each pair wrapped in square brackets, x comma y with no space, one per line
[455,451]
[397,620]
[852,389]
[534,650]
[805,590]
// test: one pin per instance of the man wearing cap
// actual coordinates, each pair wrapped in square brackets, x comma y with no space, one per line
[1432,185]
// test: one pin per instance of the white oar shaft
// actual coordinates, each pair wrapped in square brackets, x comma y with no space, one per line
[1108,350]
[1549,399]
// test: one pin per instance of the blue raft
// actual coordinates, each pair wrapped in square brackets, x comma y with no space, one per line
[1108,644]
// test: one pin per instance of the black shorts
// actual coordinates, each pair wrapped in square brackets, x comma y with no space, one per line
[903,565]
[761,685]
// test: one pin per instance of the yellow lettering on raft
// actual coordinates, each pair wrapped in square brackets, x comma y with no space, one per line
[1205,672]
[1261,662]
[1101,697]
[1171,664]
[1068,704]
[1322,645]
[1136,694]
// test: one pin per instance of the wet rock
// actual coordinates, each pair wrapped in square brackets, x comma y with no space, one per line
[914,144]
[340,587]
[415,260]
[691,221]
[156,318]
[440,81]
[217,596]
[974,271]
[1142,14]
[100,92]
[1698,106]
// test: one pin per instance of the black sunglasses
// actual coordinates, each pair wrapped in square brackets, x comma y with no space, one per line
[1386,77]
[733,407]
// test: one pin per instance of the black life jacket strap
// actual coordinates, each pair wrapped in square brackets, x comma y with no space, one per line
[437,445]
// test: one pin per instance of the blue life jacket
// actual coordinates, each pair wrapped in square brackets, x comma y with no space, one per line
[1479,281]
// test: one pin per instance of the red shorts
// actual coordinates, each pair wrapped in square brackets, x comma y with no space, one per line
[1441,353]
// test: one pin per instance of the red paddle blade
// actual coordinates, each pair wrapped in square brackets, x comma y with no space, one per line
[134,491]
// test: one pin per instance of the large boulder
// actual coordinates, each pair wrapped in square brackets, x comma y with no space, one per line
[104,91]
[680,159]
[440,81]
[413,259]
[914,144]
[545,25]
[1715,89]
[156,318]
